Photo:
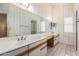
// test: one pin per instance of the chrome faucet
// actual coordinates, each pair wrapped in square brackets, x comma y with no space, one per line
[22,38]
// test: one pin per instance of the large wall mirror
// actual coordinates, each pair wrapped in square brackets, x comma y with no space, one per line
[15,21]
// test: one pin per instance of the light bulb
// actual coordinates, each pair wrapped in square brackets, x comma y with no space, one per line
[49,18]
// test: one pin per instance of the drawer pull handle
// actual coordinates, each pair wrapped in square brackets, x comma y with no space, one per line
[43,47]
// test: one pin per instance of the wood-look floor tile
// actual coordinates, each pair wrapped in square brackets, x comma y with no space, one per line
[62,50]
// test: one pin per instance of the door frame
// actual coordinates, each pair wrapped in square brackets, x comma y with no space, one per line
[6,22]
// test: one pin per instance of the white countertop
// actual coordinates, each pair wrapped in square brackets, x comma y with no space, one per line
[11,43]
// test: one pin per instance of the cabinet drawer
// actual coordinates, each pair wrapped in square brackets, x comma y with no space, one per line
[43,52]
[43,48]
[35,52]
[34,44]
[43,40]
[50,42]
[16,52]
[55,41]
[43,44]
[34,49]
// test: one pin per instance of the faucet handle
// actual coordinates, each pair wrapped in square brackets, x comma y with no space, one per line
[24,38]
[18,39]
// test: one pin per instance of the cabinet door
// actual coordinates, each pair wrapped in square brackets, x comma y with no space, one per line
[34,49]
[36,52]
[55,41]
[43,50]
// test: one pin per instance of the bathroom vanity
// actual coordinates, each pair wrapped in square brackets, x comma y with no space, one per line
[30,45]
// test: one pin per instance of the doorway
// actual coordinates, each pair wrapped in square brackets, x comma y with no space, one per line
[3,25]
[33,27]
[69,30]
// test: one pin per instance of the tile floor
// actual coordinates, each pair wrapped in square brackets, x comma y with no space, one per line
[62,50]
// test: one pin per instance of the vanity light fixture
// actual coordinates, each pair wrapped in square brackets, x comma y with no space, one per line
[25,5]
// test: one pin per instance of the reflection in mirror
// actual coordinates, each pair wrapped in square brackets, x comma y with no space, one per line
[33,27]
[19,22]
[42,26]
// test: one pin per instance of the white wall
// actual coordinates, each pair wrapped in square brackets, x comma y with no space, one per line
[59,11]
[42,9]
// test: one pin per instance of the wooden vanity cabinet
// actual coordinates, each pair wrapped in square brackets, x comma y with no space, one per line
[50,42]
[43,50]
[56,39]
[38,48]
[34,49]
